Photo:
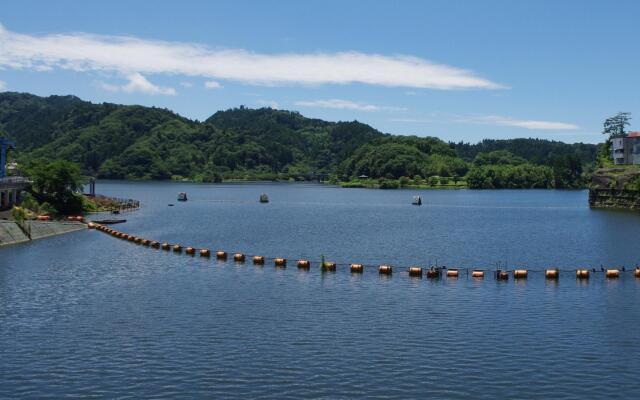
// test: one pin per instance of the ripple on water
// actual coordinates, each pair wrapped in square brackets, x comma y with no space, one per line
[85,315]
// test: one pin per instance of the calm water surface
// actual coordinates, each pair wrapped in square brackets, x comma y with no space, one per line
[85,315]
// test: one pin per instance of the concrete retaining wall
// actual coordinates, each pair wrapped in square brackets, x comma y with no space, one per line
[11,233]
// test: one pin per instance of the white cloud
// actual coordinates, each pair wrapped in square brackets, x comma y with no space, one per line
[137,83]
[523,123]
[3,85]
[186,84]
[345,105]
[126,55]
[212,85]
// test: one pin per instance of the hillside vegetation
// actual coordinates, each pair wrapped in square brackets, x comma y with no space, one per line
[135,142]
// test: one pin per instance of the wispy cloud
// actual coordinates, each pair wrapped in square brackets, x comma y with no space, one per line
[3,85]
[345,105]
[126,55]
[212,85]
[522,123]
[137,83]
[186,84]
[531,124]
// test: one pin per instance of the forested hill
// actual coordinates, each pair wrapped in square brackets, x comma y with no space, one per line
[118,141]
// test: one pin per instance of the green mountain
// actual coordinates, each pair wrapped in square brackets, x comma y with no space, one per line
[136,142]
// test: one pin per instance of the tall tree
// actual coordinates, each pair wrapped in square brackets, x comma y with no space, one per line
[615,126]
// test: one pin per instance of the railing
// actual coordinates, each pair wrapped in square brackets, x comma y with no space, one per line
[14,180]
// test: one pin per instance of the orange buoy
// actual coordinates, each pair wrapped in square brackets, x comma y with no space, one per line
[304,264]
[280,262]
[166,246]
[385,270]
[79,218]
[43,218]
[71,218]
[582,274]
[139,240]
[520,273]
[258,260]
[155,244]
[221,255]
[146,242]
[477,273]
[612,273]
[433,273]
[124,236]
[551,273]
[91,225]
[132,238]
[502,275]
[357,268]
[637,273]
[205,253]
[190,250]
[238,257]
[452,273]
[328,266]
[177,248]
[415,271]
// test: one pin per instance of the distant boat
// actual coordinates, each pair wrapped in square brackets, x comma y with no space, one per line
[182,196]
[417,201]
[264,198]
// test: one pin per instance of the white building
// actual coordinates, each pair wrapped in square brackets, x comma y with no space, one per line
[626,150]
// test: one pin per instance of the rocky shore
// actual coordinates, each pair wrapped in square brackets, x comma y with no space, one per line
[616,188]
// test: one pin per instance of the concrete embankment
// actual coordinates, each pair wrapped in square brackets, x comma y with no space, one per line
[12,233]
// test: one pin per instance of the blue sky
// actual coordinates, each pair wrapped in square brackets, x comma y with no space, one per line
[458,70]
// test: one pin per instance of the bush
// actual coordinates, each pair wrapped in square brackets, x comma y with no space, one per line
[432,181]
[389,184]
[47,209]
[29,202]
[19,213]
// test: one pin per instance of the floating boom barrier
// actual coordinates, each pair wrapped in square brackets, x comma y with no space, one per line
[550,274]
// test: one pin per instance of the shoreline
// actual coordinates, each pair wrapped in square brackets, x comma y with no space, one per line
[345,185]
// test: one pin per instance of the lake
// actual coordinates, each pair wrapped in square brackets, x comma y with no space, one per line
[88,315]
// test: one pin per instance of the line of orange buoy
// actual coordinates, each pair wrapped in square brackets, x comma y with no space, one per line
[414,271]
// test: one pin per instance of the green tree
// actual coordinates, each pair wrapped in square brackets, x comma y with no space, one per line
[57,182]
[616,126]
